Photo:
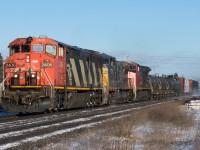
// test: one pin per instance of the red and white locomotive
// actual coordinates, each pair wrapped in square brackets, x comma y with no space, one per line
[32,70]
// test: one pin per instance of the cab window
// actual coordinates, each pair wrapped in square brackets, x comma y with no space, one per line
[14,49]
[38,48]
[25,48]
[133,69]
[51,49]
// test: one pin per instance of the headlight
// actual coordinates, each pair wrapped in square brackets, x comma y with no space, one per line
[32,75]
[27,60]
[15,75]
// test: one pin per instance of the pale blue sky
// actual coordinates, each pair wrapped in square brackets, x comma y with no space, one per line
[163,34]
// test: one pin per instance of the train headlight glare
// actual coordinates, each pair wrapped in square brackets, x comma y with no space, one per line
[27,60]
[15,75]
[33,75]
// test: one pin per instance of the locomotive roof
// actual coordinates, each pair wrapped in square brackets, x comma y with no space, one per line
[64,44]
[76,47]
[108,56]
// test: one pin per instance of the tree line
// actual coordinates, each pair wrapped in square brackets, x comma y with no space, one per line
[1,68]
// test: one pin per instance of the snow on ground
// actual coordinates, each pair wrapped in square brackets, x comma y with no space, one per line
[188,136]
[183,139]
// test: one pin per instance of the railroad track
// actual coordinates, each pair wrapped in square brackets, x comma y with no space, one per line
[21,130]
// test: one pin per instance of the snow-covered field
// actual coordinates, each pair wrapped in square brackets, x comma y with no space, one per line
[142,136]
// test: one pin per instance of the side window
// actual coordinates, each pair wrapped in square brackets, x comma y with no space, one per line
[60,51]
[51,49]
[38,48]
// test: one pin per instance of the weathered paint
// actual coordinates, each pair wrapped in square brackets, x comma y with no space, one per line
[105,78]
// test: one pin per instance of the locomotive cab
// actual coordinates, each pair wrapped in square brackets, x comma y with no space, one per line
[143,89]
[30,73]
[32,62]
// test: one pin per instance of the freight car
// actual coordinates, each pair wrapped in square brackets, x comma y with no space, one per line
[181,85]
[187,86]
[195,86]
[164,86]
[42,74]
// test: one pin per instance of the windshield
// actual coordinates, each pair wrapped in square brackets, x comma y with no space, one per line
[51,49]
[14,49]
[19,48]
[38,48]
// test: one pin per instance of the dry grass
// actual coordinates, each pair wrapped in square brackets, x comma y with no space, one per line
[151,128]
[162,120]
[170,114]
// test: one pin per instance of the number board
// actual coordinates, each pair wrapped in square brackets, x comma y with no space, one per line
[10,65]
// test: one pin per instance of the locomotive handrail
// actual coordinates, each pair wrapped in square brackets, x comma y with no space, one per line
[150,83]
[52,90]
[2,83]
[48,78]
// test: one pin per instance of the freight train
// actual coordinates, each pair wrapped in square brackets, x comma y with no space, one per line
[42,74]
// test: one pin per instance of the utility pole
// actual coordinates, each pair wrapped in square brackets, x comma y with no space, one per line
[154,68]
[125,55]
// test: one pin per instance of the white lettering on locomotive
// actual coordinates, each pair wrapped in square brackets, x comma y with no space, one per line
[35,61]
[47,65]
[10,65]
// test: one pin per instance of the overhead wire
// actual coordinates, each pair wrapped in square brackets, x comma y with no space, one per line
[166,57]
